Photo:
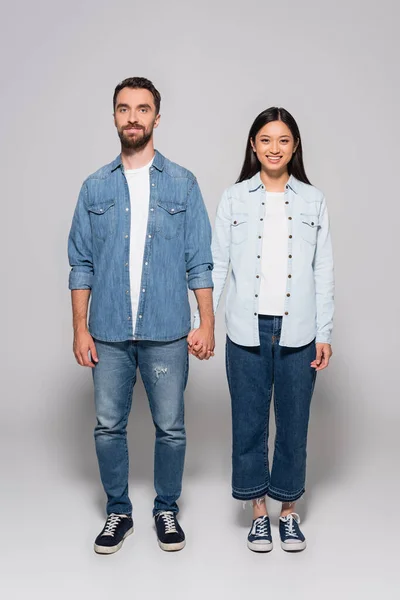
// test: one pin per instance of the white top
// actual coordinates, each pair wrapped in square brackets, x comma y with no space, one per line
[274,258]
[139,192]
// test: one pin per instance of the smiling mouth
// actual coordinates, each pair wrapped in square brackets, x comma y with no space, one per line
[274,158]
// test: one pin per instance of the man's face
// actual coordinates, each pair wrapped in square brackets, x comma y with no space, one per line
[135,117]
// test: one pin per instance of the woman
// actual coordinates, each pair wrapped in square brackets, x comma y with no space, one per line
[272,228]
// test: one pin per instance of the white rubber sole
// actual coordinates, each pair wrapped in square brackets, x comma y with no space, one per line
[293,547]
[172,547]
[257,547]
[112,549]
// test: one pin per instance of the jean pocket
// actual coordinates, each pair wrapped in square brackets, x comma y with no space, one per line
[309,227]
[102,219]
[170,218]
[239,228]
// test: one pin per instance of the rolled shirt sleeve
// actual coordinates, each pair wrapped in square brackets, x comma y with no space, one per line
[199,263]
[80,246]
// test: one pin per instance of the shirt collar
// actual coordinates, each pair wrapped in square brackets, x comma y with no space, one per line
[158,162]
[255,183]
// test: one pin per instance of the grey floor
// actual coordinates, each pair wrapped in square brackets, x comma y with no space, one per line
[54,508]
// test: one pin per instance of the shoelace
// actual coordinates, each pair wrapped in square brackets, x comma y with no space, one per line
[289,521]
[111,524]
[169,521]
[260,527]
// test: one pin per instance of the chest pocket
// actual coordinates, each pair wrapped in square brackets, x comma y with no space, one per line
[102,219]
[170,219]
[309,225]
[239,228]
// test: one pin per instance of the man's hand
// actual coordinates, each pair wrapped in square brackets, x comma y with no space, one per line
[324,352]
[83,344]
[201,342]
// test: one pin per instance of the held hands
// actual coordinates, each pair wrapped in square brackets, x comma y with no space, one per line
[83,344]
[324,352]
[201,342]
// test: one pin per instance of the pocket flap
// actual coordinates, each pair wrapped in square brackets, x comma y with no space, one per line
[172,207]
[101,208]
[238,219]
[310,220]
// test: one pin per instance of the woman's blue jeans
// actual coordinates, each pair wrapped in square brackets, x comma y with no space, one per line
[253,373]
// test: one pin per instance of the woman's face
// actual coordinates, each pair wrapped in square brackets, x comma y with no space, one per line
[274,146]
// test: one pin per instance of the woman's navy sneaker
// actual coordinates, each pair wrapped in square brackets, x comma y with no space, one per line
[115,530]
[169,533]
[259,538]
[292,539]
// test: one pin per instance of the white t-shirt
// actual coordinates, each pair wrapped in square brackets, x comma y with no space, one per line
[139,192]
[274,256]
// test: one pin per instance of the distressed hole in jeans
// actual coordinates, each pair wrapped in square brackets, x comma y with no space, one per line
[159,371]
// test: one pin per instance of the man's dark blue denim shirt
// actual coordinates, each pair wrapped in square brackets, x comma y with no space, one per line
[177,252]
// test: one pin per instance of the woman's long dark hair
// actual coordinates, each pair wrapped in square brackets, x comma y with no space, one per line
[251,164]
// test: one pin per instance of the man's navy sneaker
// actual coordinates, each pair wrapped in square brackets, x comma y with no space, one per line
[169,533]
[115,530]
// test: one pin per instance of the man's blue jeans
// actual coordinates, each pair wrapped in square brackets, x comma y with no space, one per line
[252,374]
[164,370]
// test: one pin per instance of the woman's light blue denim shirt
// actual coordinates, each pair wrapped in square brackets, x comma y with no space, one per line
[237,244]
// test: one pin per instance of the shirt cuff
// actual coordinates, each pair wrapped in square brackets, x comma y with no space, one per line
[200,281]
[80,280]
[196,320]
[323,338]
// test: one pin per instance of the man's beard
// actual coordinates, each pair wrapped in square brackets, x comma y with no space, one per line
[135,142]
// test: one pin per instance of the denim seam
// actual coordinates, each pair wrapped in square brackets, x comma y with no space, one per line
[282,496]
[126,416]
[250,493]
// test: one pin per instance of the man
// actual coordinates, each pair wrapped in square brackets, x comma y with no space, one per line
[140,237]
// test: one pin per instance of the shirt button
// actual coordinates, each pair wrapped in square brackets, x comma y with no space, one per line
[257,276]
[152,209]
[127,209]
[312,222]
[290,256]
[149,235]
[290,236]
[127,292]
[261,219]
[258,256]
[286,202]
[146,263]
[263,203]
[289,276]
[129,318]
[288,295]
[286,313]
[256,295]
[140,316]
[235,222]
[126,264]
[153,185]
[172,210]
[101,210]
[143,290]
[255,314]
[126,236]
[290,218]
[259,237]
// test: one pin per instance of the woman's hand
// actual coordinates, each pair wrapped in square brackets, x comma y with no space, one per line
[201,342]
[324,352]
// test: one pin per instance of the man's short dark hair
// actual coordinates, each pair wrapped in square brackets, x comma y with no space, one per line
[136,83]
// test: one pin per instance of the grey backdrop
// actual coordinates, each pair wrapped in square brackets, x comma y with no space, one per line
[217,65]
